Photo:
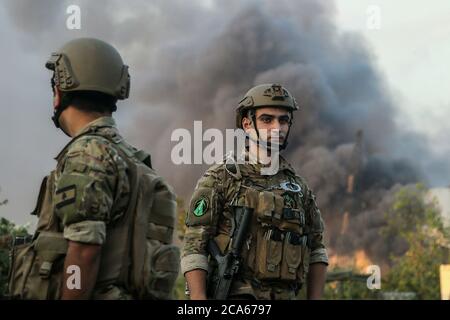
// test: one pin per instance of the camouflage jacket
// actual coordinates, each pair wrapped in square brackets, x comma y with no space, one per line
[210,216]
[104,192]
[90,191]
[91,184]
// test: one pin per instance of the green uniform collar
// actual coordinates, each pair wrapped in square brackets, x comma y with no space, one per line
[283,166]
[106,121]
[255,168]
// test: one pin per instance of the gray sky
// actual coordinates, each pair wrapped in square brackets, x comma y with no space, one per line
[410,51]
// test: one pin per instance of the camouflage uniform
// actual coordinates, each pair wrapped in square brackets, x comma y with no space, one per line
[92,186]
[103,192]
[218,191]
[91,189]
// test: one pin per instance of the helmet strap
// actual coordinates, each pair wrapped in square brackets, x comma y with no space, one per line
[65,102]
[252,115]
[285,143]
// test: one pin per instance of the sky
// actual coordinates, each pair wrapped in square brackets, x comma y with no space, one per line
[412,49]
[408,52]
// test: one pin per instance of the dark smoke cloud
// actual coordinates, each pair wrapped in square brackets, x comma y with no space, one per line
[190,61]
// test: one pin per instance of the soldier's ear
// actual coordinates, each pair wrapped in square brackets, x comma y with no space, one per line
[56,97]
[246,124]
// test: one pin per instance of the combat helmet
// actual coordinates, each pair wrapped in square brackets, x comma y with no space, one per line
[265,95]
[88,64]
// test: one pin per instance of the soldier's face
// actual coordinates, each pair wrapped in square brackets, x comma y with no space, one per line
[272,124]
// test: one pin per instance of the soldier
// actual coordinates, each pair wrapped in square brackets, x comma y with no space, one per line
[105,218]
[283,247]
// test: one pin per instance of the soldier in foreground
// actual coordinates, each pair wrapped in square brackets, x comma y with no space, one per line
[251,235]
[105,218]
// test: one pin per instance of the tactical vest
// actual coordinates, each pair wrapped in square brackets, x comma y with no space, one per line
[137,255]
[276,249]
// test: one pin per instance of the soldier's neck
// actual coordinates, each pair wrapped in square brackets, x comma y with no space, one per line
[74,120]
[261,155]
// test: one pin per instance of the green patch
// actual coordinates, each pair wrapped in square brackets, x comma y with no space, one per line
[288,200]
[200,208]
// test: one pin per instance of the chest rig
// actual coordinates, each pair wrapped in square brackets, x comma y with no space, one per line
[276,247]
